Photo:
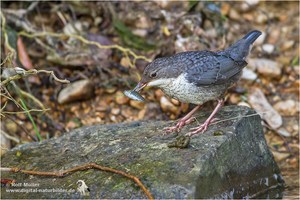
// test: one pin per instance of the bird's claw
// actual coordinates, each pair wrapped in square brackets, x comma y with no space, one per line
[171,129]
[200,129]
[175,128]
[178,126]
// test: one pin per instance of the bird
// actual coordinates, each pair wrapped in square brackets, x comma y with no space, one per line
[197,77]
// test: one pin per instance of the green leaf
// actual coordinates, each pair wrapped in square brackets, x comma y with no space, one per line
[12,36]
[295,61]
[130,39]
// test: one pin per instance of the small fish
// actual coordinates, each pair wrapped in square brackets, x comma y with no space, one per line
[133,95]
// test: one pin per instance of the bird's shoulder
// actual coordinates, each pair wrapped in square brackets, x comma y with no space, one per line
[189,59]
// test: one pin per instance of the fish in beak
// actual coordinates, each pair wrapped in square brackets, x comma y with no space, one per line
[139,86]
[134,94]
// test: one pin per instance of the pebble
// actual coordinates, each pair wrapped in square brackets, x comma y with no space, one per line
[234,98]
[127,113]
[287,45]
[125,62]
[101,115]
[167,106]
[111,90]
[296,127]
[158,94]
[274,36]
[73,28]
[11,127]
[261,18]
[121,98]
[115,111]
[140,32]
[141,114]
[259,102]
[113,118]
[248,74]
[268,48]
[286,108]
[283,59]
[248,17]
[266,67]
[102,106]
[167,4]
[233,14]
[78,90]
[297,69]
[143,22]
[175,102]
[284,132]
[137,104]
[225,8]
[248,4]
[72,125]
[243,103]
[280,156]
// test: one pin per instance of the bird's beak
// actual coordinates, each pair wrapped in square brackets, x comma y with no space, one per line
[139,86]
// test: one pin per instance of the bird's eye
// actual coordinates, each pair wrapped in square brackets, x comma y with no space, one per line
[153,75]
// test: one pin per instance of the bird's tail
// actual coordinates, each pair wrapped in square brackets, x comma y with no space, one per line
[240,50]
[250,37]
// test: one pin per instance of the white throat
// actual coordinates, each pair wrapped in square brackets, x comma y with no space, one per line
[160,82]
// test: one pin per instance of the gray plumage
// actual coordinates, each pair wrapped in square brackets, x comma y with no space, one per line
[197,77]
[203,68]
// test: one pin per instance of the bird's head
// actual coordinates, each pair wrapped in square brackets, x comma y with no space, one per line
[157,74]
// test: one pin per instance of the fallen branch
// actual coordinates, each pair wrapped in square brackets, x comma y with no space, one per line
[81,168]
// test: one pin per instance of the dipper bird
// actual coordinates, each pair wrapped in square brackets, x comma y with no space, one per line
[198,76]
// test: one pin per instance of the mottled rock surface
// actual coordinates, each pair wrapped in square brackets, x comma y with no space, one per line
[230,160]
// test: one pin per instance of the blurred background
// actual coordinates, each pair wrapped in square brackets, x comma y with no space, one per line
[102,48]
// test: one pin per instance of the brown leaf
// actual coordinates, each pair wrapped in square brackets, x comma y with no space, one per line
[260,103]
[23,55]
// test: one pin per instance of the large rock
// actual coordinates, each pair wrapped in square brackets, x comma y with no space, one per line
[230,160]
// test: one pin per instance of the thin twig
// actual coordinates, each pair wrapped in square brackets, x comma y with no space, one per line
[9,97]
[6,58]
[26,111]
[81,168]
[85,41]
[228,119]
[21,127]
[12,51]
[30,96]
[30,72]
[16,140]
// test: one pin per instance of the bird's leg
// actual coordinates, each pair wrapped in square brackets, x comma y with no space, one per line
[203,127]
[183,121]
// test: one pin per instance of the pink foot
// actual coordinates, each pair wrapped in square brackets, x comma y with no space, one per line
[202,128]
[179,125]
